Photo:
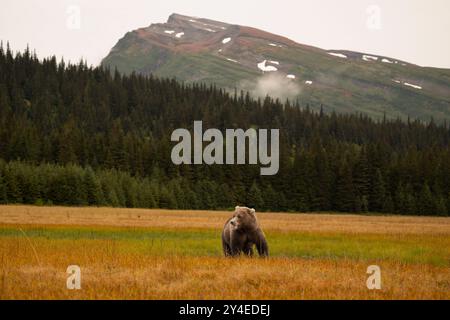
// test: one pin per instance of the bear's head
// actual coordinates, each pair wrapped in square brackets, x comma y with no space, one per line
[244,219]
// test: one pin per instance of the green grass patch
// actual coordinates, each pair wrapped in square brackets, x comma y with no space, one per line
[428,249]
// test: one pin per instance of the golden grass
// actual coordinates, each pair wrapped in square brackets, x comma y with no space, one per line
[34,267]
[109,274]
[215,219]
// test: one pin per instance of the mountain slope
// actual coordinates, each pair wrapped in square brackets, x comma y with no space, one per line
[233,56]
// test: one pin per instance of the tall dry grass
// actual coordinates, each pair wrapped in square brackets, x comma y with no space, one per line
[107,273]
[116,264]
[311,222]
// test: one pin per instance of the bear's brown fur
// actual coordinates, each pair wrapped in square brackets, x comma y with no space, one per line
[241,232]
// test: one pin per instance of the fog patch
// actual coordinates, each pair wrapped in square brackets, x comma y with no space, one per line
[273,84]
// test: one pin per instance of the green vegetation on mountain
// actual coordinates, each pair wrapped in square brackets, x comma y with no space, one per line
[374,85]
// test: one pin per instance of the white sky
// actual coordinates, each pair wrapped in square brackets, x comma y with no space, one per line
[417,31]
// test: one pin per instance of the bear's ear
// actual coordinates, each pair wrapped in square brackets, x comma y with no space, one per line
[252,211]
[236,208]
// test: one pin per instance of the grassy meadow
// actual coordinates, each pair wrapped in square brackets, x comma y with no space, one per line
[163,254]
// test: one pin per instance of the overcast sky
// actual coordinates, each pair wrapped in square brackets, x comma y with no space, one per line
[417,31]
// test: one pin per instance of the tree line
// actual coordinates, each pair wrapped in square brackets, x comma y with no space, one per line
[77,135]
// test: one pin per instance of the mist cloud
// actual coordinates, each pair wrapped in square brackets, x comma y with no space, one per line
[274,85]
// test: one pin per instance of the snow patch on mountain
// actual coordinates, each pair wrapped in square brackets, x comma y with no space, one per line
[366,57]
[179,35]
[412,85]
[169,31]
[275,45]
[226,40]
[262,66]
[339,55]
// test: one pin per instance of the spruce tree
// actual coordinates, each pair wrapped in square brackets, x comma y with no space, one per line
[388,204]
[93,188]
[361,175]
[167,199]
[270,198]
[254,197]
[346,196]
[3,198]
[426,201]
[377,193]
[13,191]
[440,206]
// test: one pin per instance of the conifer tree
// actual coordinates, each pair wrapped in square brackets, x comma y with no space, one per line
[440,207]
[426,201]
[377,193]
[255,199]
[13,192]
[361,175]
[94,191]
[346,196]
[3,198]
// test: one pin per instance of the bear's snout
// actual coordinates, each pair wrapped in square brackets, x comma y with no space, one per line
[234,222]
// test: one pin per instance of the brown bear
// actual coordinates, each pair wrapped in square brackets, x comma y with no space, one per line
[241,232]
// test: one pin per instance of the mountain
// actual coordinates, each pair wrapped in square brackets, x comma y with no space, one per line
[232,56]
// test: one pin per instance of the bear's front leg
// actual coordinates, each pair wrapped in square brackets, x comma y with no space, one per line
[261,244]
[226,248]
[249,249]
[236,244]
